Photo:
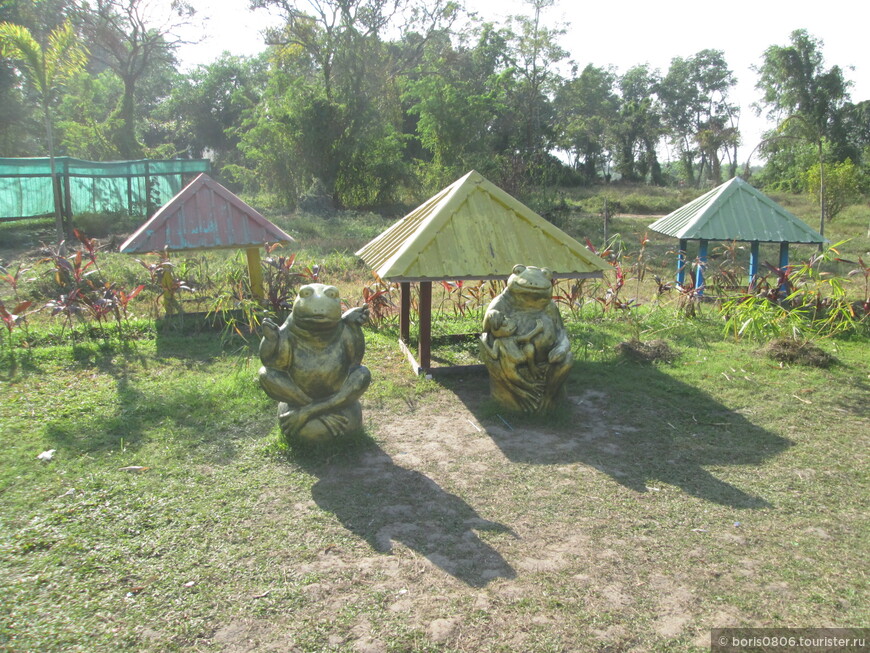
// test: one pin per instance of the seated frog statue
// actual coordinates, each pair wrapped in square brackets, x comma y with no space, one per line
[524,344]
[312,365]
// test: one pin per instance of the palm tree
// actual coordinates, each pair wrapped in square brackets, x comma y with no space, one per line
[47,69]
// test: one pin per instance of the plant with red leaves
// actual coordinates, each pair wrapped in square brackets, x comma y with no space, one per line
[168,283]
[572,296]
[378,297]
[19,313]
[864,270]
[12,318]
[66,304]
[281,278]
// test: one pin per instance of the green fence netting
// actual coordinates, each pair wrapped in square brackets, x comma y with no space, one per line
[135,188]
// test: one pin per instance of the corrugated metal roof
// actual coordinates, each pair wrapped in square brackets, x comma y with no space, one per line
[204,215]
[736,211]
[474,230]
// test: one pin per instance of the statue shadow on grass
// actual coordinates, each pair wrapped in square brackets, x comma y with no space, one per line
[636,424]
[139,405]
[384,503]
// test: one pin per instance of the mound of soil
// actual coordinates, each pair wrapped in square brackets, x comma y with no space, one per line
[654,351]
[786,350]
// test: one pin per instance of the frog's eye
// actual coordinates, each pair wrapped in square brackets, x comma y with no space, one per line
[518,269]
[547,272]
[332,293]
[306,292]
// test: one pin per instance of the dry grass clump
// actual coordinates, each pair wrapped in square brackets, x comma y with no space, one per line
[654,351]
[787,350]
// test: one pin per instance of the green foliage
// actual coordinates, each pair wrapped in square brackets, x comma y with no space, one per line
[86,117]
[812,108]
[701,117]
[815,305]
[207,107]
[585,107]
[842,185]
[135,41]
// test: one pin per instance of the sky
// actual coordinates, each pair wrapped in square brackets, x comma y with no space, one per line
[626,33]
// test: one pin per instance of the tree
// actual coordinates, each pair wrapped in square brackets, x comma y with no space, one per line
[86,120]
[47,69]
[701,119]
[535,53]
[333,96]
[636,129]
[842,185]
[456,98]
[207,106]
[804,98]
[585,108]
[132,39]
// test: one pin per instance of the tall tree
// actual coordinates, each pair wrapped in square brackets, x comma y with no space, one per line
[586,106]
[205,110]
[132,38]
[47,68]
[636,130]
[334,92]
[803,97]
[536,52]
[700,116]
[456,98]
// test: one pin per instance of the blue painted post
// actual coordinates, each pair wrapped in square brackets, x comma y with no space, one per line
[753,263]
[702,263]
[783,264]
[681,262]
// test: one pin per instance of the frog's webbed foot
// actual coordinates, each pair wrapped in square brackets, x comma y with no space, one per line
[334,423]
[292,421]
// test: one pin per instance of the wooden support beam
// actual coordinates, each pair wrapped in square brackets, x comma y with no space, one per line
[410,356]
[405,312]
[424,346]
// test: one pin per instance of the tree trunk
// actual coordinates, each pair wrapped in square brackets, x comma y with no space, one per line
[60,232]
[128,146]
[821,192]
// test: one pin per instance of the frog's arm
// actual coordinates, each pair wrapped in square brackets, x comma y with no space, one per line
[275,349]
[562,346]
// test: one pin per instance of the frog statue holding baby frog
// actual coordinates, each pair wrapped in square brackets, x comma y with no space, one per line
[524,344]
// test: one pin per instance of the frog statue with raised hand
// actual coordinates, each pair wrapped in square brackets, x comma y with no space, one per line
[524,344]
[312,365]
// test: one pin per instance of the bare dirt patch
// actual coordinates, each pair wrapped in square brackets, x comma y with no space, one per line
[468,531]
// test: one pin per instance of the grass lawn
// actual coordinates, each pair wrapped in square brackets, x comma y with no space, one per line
[662,501]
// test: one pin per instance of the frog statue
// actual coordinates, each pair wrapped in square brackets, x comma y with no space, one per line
[312,364]
[524,344]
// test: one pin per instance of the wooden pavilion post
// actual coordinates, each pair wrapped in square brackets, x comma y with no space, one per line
[405,312]
[753,263]
[424,346]
[681,262]
[702,263]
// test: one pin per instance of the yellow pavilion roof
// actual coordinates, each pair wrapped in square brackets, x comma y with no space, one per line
[474,230]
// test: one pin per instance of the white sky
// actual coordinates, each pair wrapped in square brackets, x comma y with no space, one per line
[631,32]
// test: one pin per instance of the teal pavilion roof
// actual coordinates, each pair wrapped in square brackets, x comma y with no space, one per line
[736,211]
